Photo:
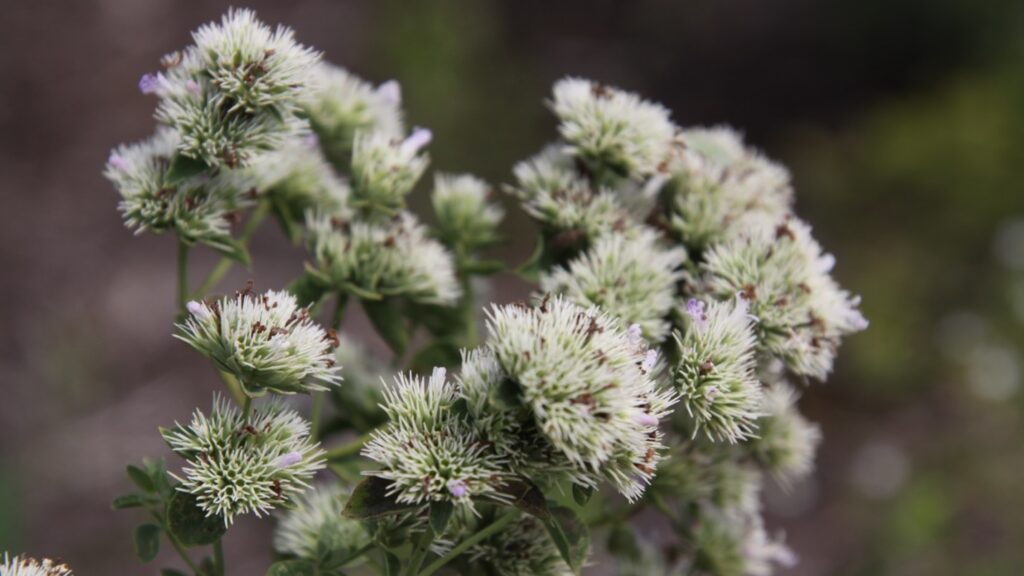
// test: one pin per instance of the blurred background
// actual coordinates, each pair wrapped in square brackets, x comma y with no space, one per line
[903,124]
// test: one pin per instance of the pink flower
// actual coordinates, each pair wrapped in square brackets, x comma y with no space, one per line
[289,459]
[419,138]
[458,488]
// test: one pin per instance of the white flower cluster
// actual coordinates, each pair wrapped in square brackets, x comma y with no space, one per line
[236,91]
[385,169]
[266,341]
[22,566]
[239,464]
[315,526]
[522,549]
[786,441]
[466,220]
[297,177]
[392,258]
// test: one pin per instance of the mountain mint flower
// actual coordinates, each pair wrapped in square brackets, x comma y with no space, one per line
[237,90]
[610,129]
[196,209]
[466,221]
[239,465]
[786,441]
[315,526]
[580,375]
[630,277]
[801,312]
[735,543]
[266,341]
[715,373]
[394,258]
[522,549]
[718,185]
[384,169]
[341,105]
[22,566]
[298,178]
[550,190]
[429,450]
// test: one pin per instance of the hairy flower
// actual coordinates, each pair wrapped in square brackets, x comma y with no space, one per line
[550,190]
[385,169]
[297,178]
[395,258]
[22,566]
[786,441]
[629,276]
[735,543]
[196,209]
[429,450]
[341,105]
[715,373]
[466,220]
[237,90]
[240,465]
[801,312]
[315,526]
[522,549]
[582,377]
[611,130]
[266,341]
[718,186]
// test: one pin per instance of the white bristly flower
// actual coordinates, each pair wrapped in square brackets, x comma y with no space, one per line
[466,219]
[550,190]
[429,450]
[718,186]
[715,373]
[342,105]
[735,543]
[629,276]
[298,177]
[786,441]
[196,209]
[238,465]
[21,566]
[610,130]
[581,376]
[385,169]
[802,314]
[394,258]
[236,91]
[267,341]
[522,549]
[315,526]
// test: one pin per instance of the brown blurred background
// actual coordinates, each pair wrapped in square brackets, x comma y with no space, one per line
[903,123]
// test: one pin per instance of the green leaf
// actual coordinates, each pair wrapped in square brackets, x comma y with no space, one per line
[439,353]
[189,522]
[128,501]
[440,514]
[182,168]
[392,566]
[527,497]
[370,499]
[581,494]
[147,542]
[389,322]
[570,536]
[505,395]
[141,479]
[362,293]
[156,468]
[307,289]
[530,270]
[483,267]
[292,568]
[622,542]
[232,248]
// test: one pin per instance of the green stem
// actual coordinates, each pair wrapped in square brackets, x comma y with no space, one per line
[234,388]
[183,248]
[226,263]
[246,408]
[483,533]
[218,557]
[420,549]
[181,551]
[345,450]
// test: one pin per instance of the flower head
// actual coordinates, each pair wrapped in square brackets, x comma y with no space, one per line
[341,105]
[735,543]
[429,450]
[315,526]
[581,377]
[715,373]
[522,549]
[629,276]
[384,170]
[612,130]
[22,566]
[466,220]
[786,441]
[296,175]
[802,314]
[266,341]
[394,258]
[240,465]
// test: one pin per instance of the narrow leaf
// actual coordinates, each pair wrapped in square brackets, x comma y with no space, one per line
[527,497]
[141,479]
[581,494]
[128,501]
[483,267]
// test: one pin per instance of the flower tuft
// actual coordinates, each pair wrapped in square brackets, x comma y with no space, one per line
[384,170]
[466,220]
[22,566]
[786,441]
[316,526]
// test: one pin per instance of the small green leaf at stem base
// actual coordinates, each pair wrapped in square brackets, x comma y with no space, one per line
[128,501]
[147,542]
[141,479]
